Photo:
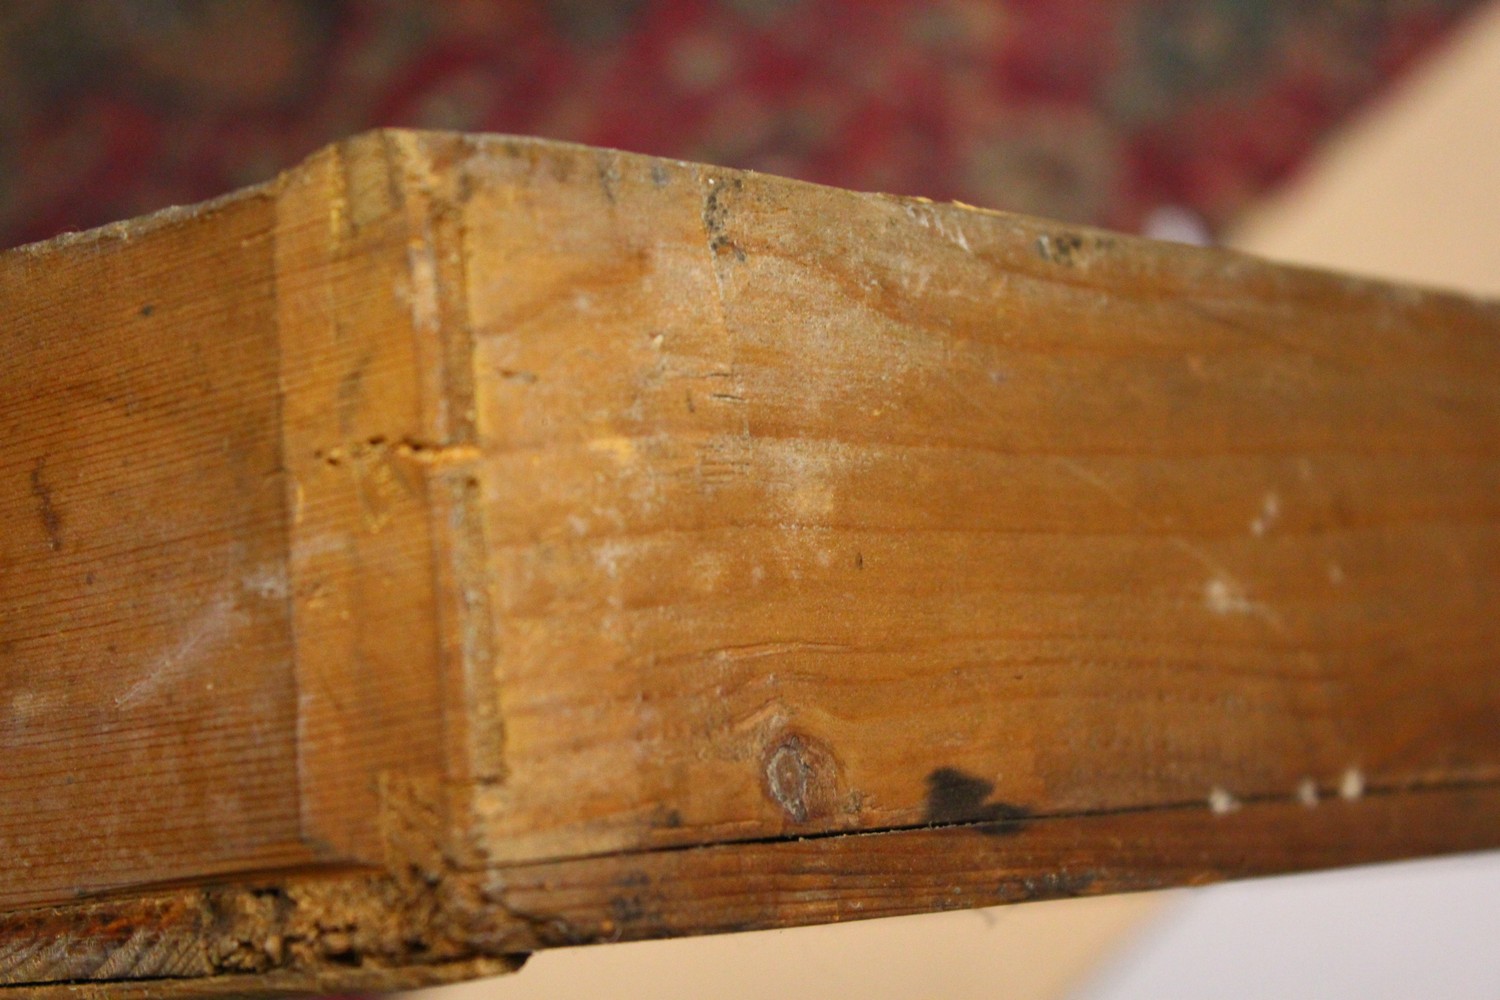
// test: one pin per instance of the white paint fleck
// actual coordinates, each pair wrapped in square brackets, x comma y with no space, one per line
[1224,596]
[621,449]
[709,570]
[1307,792]
[1352,785]
[915,278]
[21,703]
[607,557]
[1270,511]
[805,481]
[422,295]
[308,548]
[1335,574]
[26,707]
[268,582]
[1222,801]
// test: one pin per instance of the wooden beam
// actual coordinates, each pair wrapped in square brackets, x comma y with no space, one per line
[467,545]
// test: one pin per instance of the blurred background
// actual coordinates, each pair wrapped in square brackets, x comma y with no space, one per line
[1358,135]
[1103,113]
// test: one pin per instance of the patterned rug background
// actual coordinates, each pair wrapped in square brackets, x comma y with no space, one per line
[1084,111]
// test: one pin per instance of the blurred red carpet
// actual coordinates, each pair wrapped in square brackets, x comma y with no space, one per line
[1079,110]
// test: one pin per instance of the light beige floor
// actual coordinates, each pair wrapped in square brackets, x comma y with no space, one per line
[1410,191]
[1031,952]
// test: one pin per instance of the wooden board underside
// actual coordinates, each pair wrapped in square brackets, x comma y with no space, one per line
[185,942]
[683,550]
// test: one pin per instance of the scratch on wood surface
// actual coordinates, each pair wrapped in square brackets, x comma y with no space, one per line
[932,217]
[46,509]
[1223,592]
[714,215]
[206,631]
[774,647]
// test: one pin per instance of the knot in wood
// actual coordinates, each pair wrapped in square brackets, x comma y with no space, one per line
[801,776]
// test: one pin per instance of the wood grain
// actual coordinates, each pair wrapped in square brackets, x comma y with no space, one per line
[487,544]
[143,560]
[797,498]
[783,882]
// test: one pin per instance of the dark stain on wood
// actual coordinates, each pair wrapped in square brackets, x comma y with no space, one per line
[956,797]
